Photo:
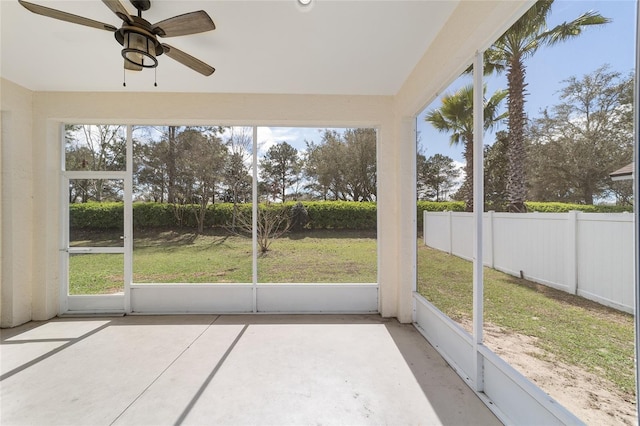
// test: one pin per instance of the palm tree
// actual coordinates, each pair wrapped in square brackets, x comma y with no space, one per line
[456,116]
[508,53]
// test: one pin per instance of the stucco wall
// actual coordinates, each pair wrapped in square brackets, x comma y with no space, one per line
[16,273]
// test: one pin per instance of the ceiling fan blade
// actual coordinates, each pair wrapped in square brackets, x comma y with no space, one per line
[117,8]
[131,66]
[64,16]
[189,23]
[188,60]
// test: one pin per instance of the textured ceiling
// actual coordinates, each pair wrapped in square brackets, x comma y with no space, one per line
[330,47]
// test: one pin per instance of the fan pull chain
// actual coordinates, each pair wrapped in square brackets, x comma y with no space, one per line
[124,77]
[155,77]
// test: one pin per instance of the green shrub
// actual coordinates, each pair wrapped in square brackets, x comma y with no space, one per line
[614,209]
[153,215]
[437,206]
[299,217]
[321,215]
[341,214]
[96,215]
[555,207]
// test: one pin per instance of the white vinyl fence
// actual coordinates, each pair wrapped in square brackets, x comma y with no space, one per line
[588,254]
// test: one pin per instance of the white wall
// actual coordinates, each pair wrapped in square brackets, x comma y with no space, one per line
[16,204]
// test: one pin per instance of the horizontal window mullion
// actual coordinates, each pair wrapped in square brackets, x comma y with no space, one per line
[95,175]
[92,250]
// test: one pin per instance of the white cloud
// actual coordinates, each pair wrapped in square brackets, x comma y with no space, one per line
[294,136]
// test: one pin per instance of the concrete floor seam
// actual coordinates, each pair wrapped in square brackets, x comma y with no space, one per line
[198,394]
[164,370]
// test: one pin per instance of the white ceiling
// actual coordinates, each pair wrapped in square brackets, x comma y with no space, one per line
[330,47]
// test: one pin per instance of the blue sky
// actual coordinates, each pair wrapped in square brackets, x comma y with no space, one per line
[613,44]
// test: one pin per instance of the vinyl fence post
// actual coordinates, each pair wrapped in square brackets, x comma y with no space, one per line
[450,230]
[489,238]
[424,226]
[571,254]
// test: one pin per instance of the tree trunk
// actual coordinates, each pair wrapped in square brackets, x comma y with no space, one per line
[468,169]
[588,195]
[200,216]
[516,185]
[235,206]
[171,166]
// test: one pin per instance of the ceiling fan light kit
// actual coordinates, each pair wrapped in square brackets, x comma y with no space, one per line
[139,43]
[138,47]
[138,37]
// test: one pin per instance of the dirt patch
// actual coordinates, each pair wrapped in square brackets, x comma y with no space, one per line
[593,399]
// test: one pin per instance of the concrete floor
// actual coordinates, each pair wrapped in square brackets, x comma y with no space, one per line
[231,370]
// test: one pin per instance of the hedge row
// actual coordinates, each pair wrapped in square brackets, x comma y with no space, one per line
[432,206]
[536,206]
[96,216]
[322,214]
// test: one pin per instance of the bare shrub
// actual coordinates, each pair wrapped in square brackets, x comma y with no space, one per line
[271,224]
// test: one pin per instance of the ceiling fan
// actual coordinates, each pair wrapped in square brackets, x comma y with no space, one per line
[138,37]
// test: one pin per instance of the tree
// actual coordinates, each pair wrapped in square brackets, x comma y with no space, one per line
[156,151]
[200,163]
[622,191]
[236,171]
[436,176]
[577,143]
[343,166]
[149,166]
[455,116]
[496,169]
[325,166]
[315,172]
[508,53]
[239,184]
[280,168]
[94,148]
[360,167]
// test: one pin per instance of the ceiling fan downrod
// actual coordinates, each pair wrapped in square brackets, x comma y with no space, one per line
[141,5]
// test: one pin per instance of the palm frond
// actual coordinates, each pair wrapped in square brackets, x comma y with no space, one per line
[455,115]
[568,30]
[494,61]
[491,107]
[517,40]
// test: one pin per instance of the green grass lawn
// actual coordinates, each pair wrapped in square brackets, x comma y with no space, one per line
[185,257]
[570,328]
[177,257]
[96,273]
